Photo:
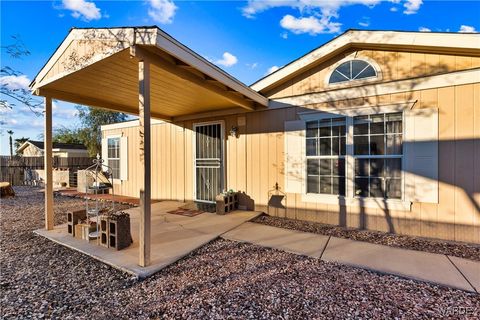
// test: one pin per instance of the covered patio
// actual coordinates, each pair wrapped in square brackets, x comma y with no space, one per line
[172,237]
[145,72]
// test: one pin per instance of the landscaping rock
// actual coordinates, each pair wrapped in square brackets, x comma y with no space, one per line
[222,280]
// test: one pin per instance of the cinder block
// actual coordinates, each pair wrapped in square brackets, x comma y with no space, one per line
[73,218]
[119,236]
[104,231]
[226,203]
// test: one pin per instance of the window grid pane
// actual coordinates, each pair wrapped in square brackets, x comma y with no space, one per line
[378,151]
[114,156]
[352,70]
[325,148]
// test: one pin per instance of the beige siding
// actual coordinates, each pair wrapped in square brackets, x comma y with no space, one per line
[393,65]
[255,158]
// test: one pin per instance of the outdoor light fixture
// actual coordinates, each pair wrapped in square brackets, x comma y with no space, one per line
[233,131]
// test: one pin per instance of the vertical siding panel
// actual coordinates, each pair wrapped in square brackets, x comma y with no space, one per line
[233,155]
[413,218]
[464,166]
[280,156]
[154,171]
[446,163]
[447,63]
[181,163]
[417,64]
[403,65]
[389,71]
[429,100]
[272,132]
[189,158]
[242,157]
[463,63]
[475,62]
[476,175]
[248,148]
[264,164]
[432,63]
[255,164]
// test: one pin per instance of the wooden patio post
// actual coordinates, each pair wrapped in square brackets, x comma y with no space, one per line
[47,147]
[145,159]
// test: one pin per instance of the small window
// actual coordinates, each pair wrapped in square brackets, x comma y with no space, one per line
[352,70]
[114,156]
[325,148]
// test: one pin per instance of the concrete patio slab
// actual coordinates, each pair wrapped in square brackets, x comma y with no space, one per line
[429,267]
[303,243]
[470,270]
[172,237]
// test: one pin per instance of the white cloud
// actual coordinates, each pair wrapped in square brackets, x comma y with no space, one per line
[319,14]
[272,69]
[365,22]
[394,9]
[252,65]
[466,29]
[284,35]
[310,25]
[412,6]
[82,9]
[162,11]
[227,60]
[424,29]
[15,82]
[63,111]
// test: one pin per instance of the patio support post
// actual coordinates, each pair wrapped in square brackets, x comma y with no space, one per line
[145,159]
[48,164]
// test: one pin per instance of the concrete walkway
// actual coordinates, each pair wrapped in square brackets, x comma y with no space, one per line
[435,268]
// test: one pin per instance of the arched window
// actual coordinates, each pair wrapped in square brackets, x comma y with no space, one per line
[352,70]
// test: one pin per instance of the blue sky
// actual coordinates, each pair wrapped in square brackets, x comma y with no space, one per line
[245,38]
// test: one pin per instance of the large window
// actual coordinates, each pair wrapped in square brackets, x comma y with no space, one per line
[377,148]
[376,155]
[352,70]
[326,146]
[114,156]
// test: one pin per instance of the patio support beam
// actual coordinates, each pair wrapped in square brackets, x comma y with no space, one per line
[145,161]
[181,72]
[48,164]
[97,103]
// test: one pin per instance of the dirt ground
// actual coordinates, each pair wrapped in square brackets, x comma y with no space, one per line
[222,280]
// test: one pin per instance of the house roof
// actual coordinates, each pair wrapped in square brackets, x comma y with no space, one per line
[56,145]
[432,42]
[100,67]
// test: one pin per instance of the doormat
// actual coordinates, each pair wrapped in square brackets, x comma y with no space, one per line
[186,212]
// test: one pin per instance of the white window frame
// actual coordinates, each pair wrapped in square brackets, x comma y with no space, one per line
[119,137]
[331,157]
[350,199]
[354,82]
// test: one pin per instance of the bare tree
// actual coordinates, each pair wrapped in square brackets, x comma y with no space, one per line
[17,50]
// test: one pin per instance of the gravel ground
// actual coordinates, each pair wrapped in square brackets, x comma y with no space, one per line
[223,279]
[457,249]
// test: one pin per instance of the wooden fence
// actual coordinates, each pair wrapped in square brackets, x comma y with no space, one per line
[12,169]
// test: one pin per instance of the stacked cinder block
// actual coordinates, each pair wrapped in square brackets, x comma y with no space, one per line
[119,230]
[115,230]
[74,218]
[227,202]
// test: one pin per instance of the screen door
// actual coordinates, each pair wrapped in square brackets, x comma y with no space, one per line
[208,161]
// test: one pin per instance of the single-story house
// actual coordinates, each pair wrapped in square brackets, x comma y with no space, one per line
[33,148]
[374,129]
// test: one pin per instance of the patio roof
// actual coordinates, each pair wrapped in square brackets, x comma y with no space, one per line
[99,67]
